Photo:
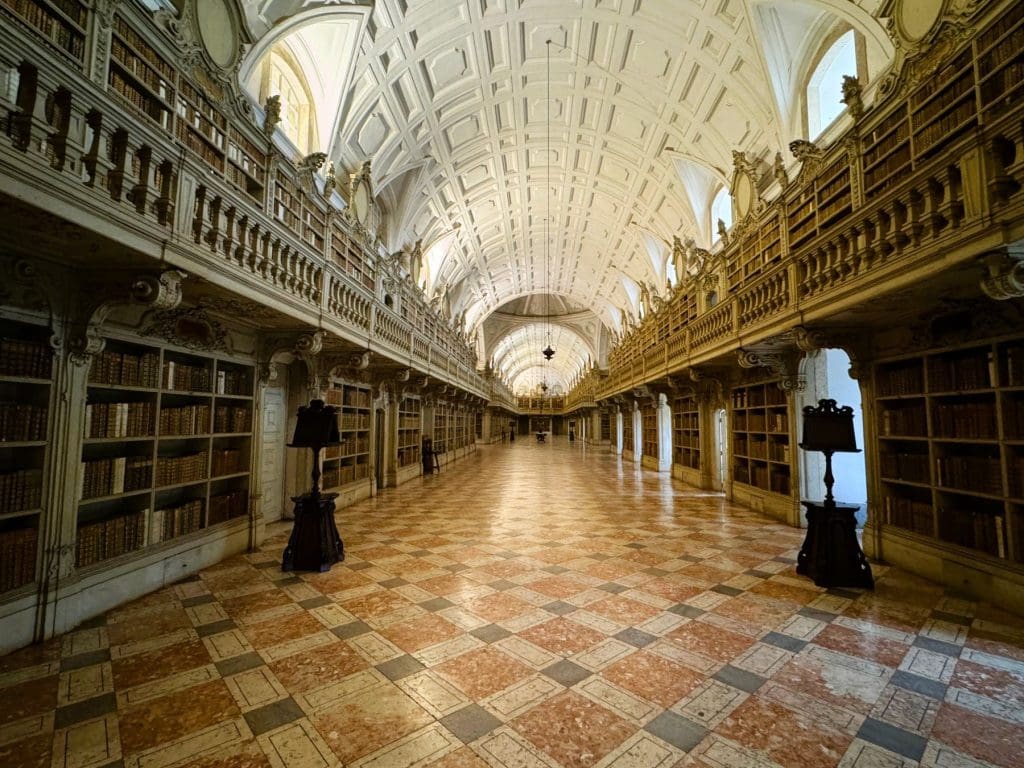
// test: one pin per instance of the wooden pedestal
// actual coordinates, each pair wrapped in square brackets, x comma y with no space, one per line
[315,544]
[831,554]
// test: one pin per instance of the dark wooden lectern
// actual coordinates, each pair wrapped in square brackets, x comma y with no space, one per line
[831,554]
[315,544]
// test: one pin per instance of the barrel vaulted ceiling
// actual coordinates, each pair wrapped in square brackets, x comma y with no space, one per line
[449,99]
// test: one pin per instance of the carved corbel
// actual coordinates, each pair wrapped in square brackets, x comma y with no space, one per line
[1004,278]
[159,292]
[778,364]
[810,340]
[307,168]
[852,97]
[645,393]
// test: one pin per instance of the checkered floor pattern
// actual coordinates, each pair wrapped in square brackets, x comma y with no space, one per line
[534,605]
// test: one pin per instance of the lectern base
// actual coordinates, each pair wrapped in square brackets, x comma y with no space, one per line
[315,544]
[831,554]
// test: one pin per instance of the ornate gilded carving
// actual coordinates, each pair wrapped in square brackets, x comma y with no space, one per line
[190,327]
[271,115]
[307,168]
[809,155]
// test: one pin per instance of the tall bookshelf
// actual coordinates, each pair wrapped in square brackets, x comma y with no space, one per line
[951,446]
[832,192]
[61,22]
[26,366]
[409,417]
[349,462]
[945,107]
[166,448]
[627,431]
[247,166]
[442,425]
[686,432]
[759,421]
[1000,63]
[649,430]
[354,261]
[140,75]
[606,426]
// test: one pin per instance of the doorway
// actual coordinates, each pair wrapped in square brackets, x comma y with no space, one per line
[719,453]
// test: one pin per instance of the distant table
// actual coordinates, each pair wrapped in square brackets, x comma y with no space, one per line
[541,436]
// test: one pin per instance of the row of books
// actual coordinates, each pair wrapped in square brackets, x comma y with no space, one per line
[108,477]
[17,557]
[119,419]
[173,470]
[687,457]
[21,489]
[53,27]
[973,420]
[757,397]
[910,514]
[185,420]
[1014,359]
[901,465]
[30,359]
[408,455]
[171,522]
[994,93]
[136,41]
[182,377]
[983,474]
[345,474]
[141,100]
[1012,18]
[110,538]
[207,154]
[22,421]
[944,127]
[973,528]
[348,421]
[232,418]
[905,422]
[409,422]
[229,462]
[904,379]
[139,68]
[227,506]
[126,369]
[886,174]
[977,371]
[234,382]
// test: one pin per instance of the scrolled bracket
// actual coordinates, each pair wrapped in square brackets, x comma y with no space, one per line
[1005,276]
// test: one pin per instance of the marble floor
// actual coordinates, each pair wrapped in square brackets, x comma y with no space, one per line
[534,605]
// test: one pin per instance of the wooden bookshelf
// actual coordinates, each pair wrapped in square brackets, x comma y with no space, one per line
[442,426]
[354,260]
[167,448]
[951,445]
[200,126]
[944,108]
[999,52]
[606,427]
[62,23]
[287,205]
[761,448]
[832,192]
[247,166]
[409,425]
[140,75]
[349,462]
[686,432]
[649,430]
[26,367]
[627,431]
[886,154]
[800,217]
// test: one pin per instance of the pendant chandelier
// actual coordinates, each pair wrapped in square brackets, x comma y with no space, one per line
[548,351]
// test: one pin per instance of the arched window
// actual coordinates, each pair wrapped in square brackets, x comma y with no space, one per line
[825,86]
[280,77]
[721,210]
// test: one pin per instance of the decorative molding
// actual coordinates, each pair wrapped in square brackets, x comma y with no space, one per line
[1004,278]
[810,155]
[307,168]
[189,327]
[779,365]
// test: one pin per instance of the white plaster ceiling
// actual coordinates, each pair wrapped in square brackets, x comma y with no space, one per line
[648,100]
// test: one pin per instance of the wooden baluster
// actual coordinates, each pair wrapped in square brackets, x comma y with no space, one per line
[58,115]
[93,128]
[243,238]
[213,233]
[165,192]
[199,214]
[19,122]
[118,157]
[229,230]
[140,190]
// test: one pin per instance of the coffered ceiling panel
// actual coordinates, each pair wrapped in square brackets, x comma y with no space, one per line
[558,138]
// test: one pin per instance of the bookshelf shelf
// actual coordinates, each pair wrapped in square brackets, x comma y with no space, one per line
[60,22]
[649,427]
[686,432]
[350,461]
[409,425]
[26,365]
[760,425]
[172,392]
[955,479]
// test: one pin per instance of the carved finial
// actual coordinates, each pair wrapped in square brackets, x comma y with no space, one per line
[804,150]
[271,115]
[779,170]
[723,232]
[330,181]
[852,97]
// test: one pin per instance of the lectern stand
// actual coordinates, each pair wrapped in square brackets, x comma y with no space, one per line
[314,544]
[831,554]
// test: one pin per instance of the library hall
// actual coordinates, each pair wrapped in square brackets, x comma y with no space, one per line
[511,383]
